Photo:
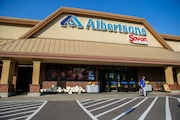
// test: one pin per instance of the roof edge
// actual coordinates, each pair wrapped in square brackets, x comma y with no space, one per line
[42,24]
[89,58]
[157,36]
[101,14]
[170,37]
[20,21]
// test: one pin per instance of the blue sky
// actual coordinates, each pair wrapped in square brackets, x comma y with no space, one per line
[162,15]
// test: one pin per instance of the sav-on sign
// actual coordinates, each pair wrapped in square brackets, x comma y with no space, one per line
[137,39]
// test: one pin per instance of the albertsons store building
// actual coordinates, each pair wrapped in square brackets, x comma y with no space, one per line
[76,47]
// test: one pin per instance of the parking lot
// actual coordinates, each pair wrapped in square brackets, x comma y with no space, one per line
[102,106]
[155,108]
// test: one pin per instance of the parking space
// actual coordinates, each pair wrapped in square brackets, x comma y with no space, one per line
[19,110]
[100,106]
[132,108]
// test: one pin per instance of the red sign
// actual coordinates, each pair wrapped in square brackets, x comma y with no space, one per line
[138,39]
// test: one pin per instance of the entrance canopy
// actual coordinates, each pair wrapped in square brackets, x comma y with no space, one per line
[86,51]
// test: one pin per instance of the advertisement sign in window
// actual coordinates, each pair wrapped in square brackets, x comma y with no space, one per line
[69,72]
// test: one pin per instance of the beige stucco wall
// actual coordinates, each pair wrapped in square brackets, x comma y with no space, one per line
[12,31]
[175,45]
[54,30]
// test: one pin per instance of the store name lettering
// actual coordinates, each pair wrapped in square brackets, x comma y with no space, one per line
[100,25]
[138,39]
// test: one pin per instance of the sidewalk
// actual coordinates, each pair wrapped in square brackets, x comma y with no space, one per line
[69,97]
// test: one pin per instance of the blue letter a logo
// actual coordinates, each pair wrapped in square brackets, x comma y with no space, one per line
[72,21]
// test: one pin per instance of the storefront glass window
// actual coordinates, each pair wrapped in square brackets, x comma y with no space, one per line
[69,72]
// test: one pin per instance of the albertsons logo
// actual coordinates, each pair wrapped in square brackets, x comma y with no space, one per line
[101,25]
[72,21]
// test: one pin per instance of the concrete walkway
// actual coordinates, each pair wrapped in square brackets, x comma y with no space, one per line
[69,97]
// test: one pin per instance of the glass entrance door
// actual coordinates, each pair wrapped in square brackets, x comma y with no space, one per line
[23,80]
[117,78]
[112,80]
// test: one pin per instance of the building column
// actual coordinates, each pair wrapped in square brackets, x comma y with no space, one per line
[169,75]
[34,88]
[6,86]
[178,75]
[14,80]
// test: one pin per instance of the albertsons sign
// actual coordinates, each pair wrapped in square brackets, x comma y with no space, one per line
[100,25]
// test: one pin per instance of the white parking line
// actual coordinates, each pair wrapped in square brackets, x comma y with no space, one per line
[178,99]
[129,110]
[22,106]
[17,118]
[4,116]
[9,104]
[92,101]
[32,115]
[14,104]
[99,103]
[168,112]
[20,110]
[82,101]
[107,105]
[148,109]
[89,113]
[2,103]
[114,108]
[16,110]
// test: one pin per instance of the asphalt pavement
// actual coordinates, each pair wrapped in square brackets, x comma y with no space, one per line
[103,106]
[69,97]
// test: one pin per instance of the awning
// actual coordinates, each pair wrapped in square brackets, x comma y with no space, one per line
[87,51]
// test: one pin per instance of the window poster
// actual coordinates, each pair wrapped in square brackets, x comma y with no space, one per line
[111,76]
[69,72]
[91,75]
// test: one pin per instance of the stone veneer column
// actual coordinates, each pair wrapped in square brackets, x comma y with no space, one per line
[169,75]
[34,88]
[6,86]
